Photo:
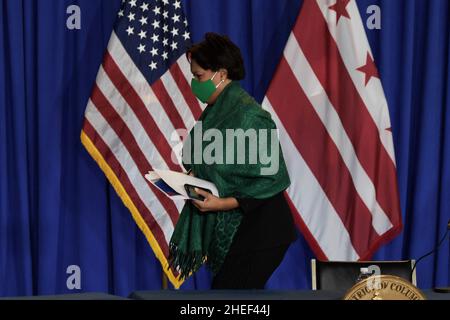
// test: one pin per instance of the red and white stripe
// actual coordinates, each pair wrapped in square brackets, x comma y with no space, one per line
[336,137]
[132,124]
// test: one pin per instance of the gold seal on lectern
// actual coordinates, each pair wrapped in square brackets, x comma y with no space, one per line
[384,287]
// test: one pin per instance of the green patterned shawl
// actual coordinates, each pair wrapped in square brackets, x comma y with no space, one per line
[206,237]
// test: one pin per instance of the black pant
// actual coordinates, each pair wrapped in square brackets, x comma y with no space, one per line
[249,270]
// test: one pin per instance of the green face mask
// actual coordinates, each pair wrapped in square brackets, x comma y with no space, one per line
[204,90]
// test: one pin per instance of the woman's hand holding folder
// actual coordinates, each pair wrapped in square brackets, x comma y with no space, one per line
[211,203]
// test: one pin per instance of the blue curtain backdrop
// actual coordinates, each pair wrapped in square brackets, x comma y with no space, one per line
[56,207]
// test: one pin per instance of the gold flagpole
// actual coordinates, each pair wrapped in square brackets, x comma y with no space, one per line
[165,281]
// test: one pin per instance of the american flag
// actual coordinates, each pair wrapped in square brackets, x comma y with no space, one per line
[329,105]
[140,98]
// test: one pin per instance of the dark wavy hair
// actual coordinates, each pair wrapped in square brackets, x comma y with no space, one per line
[218,52]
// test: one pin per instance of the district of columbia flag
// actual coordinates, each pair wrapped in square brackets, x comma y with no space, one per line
[329,105]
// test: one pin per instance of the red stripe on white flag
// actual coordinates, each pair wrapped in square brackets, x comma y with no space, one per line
[350,37]
[321,155]
[322,106]
[317,218]
[129,185]
[125,135]
[185,89]
[169,107]
[325,58]
[132,97]
[334,136]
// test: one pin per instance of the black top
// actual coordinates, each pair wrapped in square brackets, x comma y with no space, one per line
[267,223]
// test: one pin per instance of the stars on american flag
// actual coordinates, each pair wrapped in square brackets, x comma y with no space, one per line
[157,11]
[144,7]
[143,34]
[155,37]
[130,31]
[155,24]
[153,65]
[141,48]
[154,51]
[143,20]
[176,18]
[156,30]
